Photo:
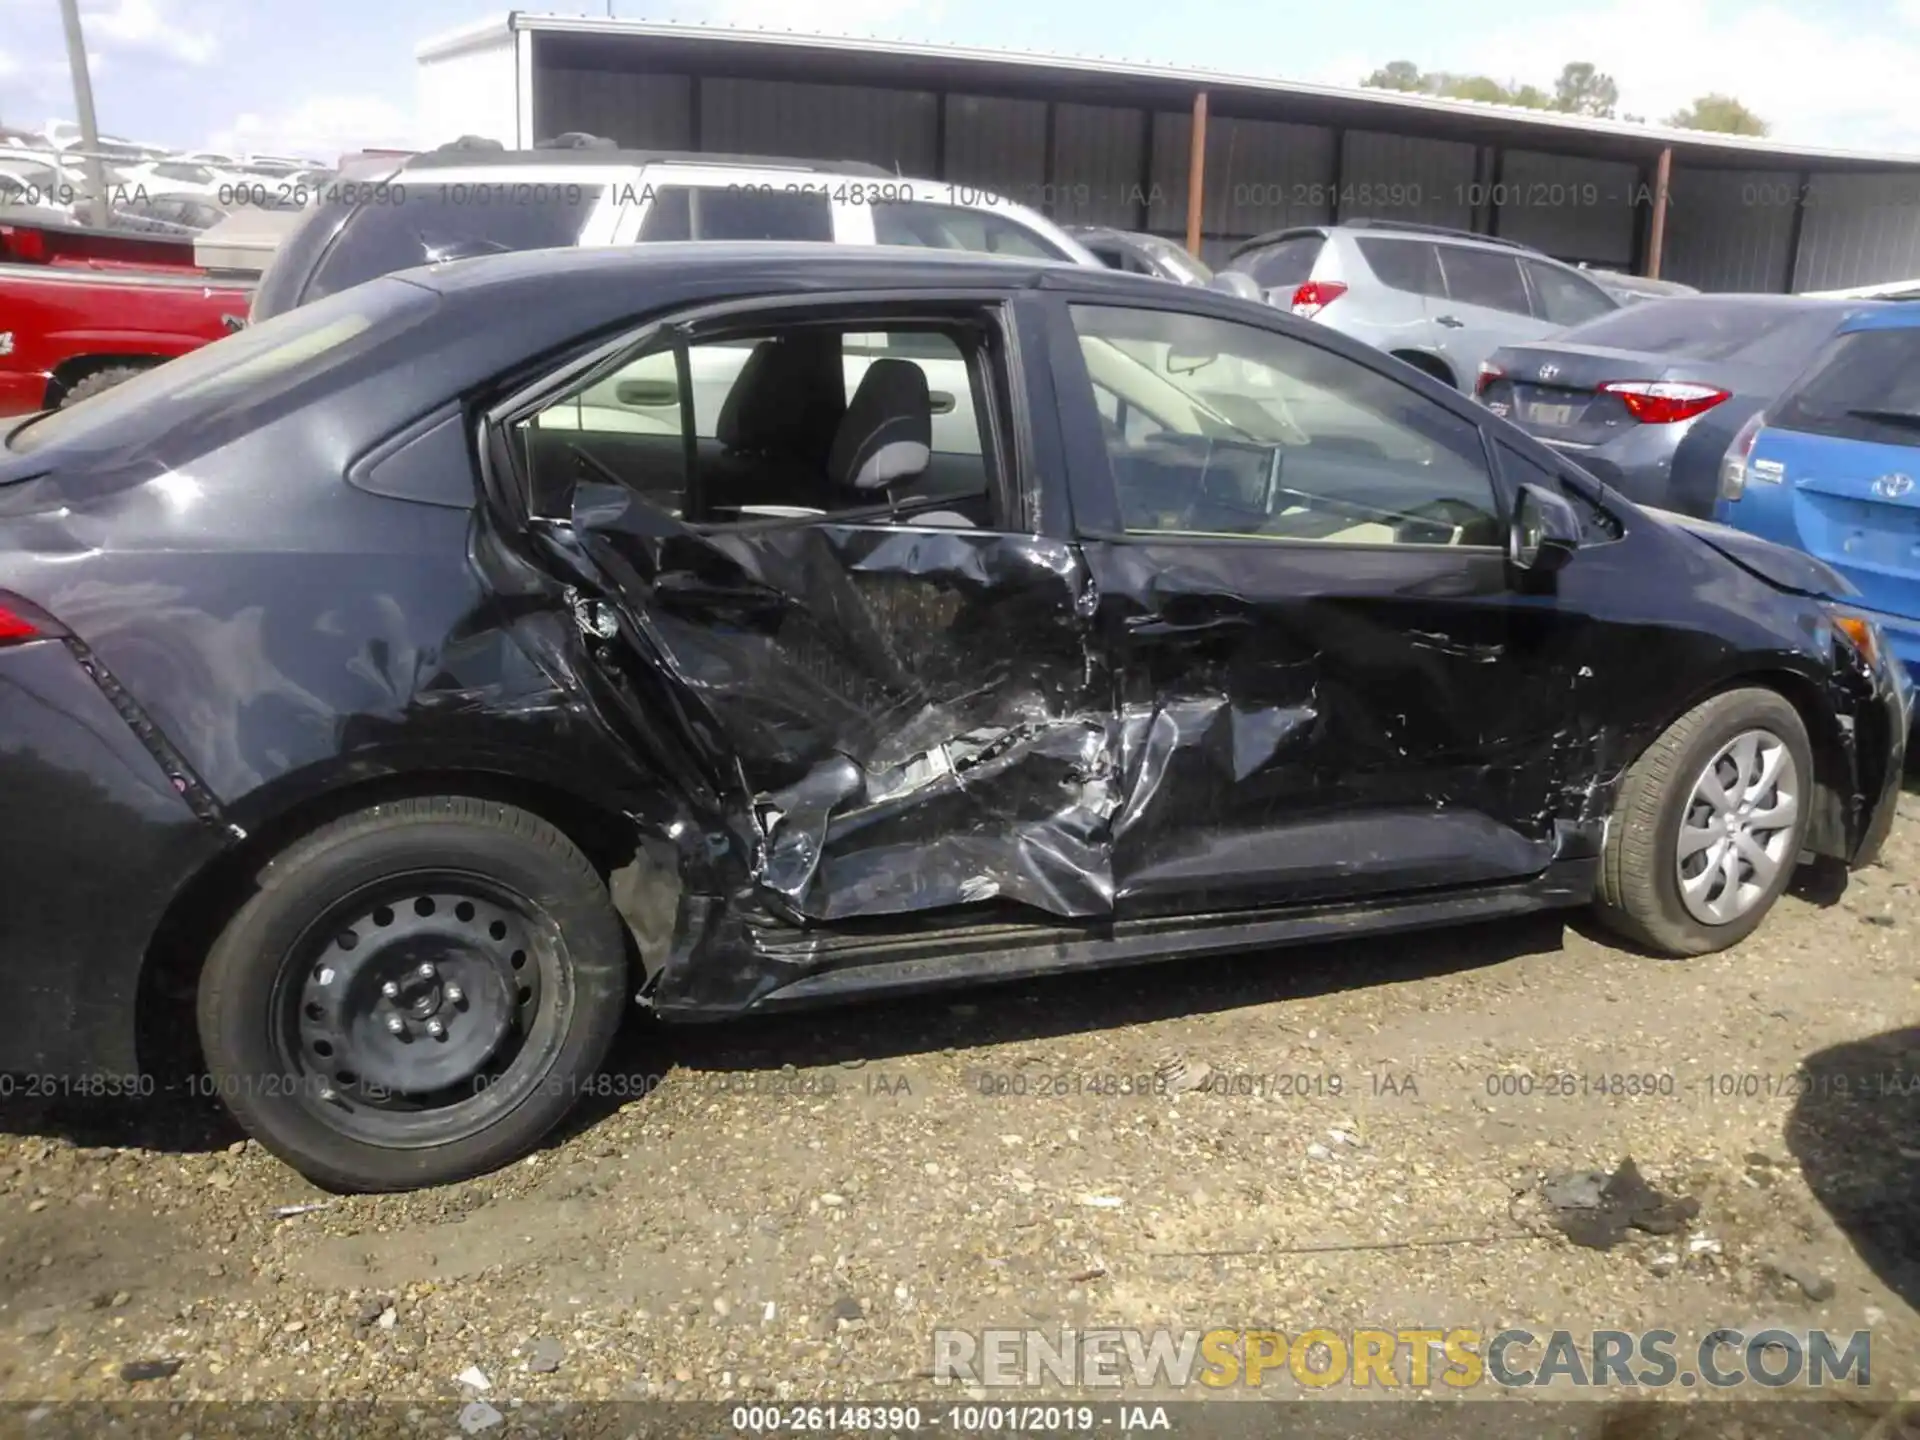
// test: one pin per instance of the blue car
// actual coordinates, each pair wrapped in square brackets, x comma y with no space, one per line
[1833,468]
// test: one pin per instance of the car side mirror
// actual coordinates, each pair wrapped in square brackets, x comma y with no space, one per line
[1545,531]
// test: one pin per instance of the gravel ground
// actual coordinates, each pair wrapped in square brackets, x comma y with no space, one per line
[1347,1135]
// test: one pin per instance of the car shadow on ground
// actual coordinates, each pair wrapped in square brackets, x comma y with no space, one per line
[176,1117]
[1855,1129]
[180,1116]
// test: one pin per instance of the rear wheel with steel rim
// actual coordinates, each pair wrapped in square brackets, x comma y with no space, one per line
[1708,825]
[395,1008]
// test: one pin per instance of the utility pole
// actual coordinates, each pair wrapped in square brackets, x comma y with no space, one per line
[96,206]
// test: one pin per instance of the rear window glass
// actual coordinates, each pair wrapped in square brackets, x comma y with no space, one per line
[1700,329]
[1287,262]
[957,227]
[1410,265]
[450,220]
[1864,386]
[289,348]
[743,213]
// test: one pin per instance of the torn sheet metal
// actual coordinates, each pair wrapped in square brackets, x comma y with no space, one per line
[920,720]
[914,716]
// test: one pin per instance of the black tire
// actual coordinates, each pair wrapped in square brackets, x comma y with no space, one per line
[1422,361]
[100,380]
[1639,895]
[345,1132]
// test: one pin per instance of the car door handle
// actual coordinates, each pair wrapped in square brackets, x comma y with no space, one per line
[1452,322]
[941,402]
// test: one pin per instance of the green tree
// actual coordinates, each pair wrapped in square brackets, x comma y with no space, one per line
[1583,90]
[1531,96]
[1397,75]
[1718,112]
[1471,87]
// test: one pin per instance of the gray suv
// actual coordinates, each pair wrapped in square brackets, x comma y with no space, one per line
[1443,300]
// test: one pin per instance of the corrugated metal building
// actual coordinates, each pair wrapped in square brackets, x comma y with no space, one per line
[1097,141]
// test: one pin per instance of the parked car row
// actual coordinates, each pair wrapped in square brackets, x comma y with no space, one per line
[1441,300]
[1649,397]
[148,189]
[1645,391]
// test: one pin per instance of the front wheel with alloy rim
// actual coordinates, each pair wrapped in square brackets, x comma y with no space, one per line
[1708,825]
[415,994]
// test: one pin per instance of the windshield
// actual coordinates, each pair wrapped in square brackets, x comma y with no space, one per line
[1192,271]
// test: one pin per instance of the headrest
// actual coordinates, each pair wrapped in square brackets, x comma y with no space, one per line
[789,397]
[888,431]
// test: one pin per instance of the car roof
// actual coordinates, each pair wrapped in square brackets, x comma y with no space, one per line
[1392,229]
[755,264]
[1760,301]
[590,157]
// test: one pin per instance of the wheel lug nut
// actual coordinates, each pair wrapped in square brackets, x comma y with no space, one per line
[396,1026]
[455,994]
[390,990]
[436,1029]
[427,972]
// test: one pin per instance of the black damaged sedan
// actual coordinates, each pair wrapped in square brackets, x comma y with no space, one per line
[922,619]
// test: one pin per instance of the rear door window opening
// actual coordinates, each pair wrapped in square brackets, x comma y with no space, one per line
[763,421]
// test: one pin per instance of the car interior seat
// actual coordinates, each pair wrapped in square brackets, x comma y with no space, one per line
[885,442]
[778,424]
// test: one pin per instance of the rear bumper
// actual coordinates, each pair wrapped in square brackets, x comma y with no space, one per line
[94,843]
[1646,465]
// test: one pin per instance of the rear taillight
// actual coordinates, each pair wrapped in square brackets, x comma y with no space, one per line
[1664,402]
[1489,372]
[22,243]
[1733,465]
[1314,296]
[15,627]
[22,620]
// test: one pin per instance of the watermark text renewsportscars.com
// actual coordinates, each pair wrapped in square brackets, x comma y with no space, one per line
[1400,1358]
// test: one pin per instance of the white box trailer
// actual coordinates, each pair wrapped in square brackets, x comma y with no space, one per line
[477,81]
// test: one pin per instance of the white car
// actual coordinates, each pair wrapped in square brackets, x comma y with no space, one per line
[170,177]
[456,202]
[31,182]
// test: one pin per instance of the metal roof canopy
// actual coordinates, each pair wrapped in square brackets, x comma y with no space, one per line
[638,47]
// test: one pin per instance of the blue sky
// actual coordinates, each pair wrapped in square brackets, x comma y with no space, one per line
[318,77]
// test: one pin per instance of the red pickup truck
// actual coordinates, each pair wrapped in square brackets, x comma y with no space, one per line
[77,317]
